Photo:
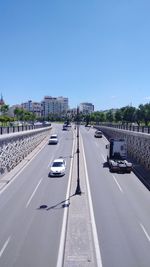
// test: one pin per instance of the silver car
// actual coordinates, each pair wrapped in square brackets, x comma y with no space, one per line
[53,139]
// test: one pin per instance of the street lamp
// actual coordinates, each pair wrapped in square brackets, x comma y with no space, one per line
[78,189]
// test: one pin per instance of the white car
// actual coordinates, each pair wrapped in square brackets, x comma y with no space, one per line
[98,134]
[57,167]
[53,139]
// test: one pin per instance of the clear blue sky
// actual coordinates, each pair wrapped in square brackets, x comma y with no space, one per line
[94,51]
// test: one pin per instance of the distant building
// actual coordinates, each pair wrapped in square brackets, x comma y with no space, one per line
[54,105]
[34,107]
[12,108]
[86,108]
[2,101]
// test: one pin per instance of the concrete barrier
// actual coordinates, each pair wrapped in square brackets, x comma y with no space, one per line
[15,147]
[138,144]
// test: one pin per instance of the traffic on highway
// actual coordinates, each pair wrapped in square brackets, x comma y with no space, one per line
[33,204]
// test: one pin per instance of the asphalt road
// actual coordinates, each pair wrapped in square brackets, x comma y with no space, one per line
[121,208]
[31,211]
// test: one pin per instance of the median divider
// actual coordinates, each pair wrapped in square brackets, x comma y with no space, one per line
[80,247]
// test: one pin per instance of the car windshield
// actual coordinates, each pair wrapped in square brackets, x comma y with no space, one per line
[57,164]
[53,137]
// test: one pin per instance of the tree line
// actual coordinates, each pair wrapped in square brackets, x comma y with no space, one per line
[124,115]
[19,115]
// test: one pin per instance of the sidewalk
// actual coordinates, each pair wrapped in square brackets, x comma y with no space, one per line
[79,245]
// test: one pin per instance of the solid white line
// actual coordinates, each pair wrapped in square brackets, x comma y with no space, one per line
[145,232]
[94,229]
[105,140]
[117,183]
[65,216]
[33,193]
[4,246]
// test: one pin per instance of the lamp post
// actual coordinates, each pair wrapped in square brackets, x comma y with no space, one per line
[78,189]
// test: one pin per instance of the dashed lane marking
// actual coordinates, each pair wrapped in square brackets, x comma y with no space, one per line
[4,246]
[33,193]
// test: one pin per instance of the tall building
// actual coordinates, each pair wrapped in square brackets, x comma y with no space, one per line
[64,103]
[54,105]
[86,108]
[34,107]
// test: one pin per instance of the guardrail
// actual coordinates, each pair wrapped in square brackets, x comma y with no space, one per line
[14,129]
[134,128]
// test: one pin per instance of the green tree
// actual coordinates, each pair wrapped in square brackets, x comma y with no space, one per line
[19,113]
[128,114]
[146,113]
[4,109]
[118,115]
[109,116]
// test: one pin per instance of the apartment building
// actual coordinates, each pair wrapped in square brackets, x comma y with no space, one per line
[34,107]
[54,105]
[86,108]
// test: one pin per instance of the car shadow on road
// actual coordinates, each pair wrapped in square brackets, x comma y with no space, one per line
[60,205]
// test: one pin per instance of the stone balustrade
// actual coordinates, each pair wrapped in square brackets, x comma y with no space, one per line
[138,144]
[16,146]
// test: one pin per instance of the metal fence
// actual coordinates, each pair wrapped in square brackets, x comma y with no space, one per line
[14,129]
[135,128]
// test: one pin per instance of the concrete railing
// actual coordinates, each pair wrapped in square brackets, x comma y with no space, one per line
[138,144]
[16,146]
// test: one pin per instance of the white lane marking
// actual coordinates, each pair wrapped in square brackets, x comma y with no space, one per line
[94,229]
[103,157]
[117,183]
[65,216]
[105,140]
[145,232]
[33,193]
[4,246]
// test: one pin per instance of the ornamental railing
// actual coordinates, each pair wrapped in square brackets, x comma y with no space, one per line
[134,128]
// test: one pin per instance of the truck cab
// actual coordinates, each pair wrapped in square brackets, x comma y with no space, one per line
[117,156]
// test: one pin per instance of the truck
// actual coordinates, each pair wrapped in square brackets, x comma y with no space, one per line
[117,156]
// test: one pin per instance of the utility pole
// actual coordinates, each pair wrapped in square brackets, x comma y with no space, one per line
[78,189]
